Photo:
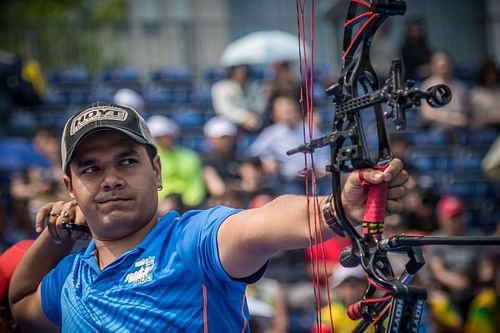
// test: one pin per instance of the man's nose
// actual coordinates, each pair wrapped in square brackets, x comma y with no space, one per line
[112,180]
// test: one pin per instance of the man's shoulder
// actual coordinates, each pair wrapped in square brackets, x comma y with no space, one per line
[208,213]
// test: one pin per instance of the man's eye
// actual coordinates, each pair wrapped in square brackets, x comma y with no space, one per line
[89,170]
[128,161]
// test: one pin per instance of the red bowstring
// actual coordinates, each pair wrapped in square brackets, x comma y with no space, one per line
[315,235]
[305,100]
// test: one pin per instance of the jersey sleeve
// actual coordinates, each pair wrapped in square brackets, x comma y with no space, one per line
[198,247]
[51,289]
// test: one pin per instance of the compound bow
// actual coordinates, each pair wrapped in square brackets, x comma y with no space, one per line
[357,96]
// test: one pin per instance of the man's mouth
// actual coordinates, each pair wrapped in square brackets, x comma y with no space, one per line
[111,198]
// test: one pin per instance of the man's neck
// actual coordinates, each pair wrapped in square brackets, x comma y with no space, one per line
[108,251]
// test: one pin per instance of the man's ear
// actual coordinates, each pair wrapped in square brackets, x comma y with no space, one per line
[157,170]
[69,186]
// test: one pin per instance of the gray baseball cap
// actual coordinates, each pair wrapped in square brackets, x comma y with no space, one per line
[101,116]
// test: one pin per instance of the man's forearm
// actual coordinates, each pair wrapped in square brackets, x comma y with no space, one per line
[41,257]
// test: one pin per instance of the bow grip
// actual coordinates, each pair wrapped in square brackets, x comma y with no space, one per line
[375,207]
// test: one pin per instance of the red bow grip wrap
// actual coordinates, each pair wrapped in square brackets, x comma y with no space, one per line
[354,311]
[376,202]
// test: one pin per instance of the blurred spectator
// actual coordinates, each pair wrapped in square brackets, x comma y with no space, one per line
[284,134]
[420,207]
[267,306]
[129,97]
[442,316]
[453,267]
[415,50]
[180,167]
[285,81]
[39,184]
[491,161]
[240,101]
[484,311]
[325,256]
[252,181]
[220,160]
[348,285]
[8,262]
[455,114]
[21,83]
[3,221]
[485,97]
[383,50]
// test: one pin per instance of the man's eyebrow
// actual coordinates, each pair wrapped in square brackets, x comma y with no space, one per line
[128,152]
[81,163]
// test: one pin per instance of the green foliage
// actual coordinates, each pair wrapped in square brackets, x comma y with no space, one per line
[60,33]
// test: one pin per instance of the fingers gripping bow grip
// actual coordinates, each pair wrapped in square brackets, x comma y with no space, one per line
[376,204]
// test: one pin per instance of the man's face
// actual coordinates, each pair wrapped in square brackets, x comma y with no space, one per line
[223,144]
[453,225]
[285,111]
[165,141]
[442,65]
[114,183]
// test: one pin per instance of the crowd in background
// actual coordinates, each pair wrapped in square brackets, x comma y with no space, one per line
[243,163]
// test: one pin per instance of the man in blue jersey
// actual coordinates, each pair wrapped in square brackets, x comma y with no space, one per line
[142,272]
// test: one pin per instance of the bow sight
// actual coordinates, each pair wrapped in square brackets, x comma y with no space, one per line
[357,94]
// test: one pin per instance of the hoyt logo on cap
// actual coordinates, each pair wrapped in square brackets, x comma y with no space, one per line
[97,113]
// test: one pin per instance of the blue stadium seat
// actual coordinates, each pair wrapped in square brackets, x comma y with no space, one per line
[201,96]
[196,143]
[467,163]
[423,162]
[70,78]
[72,86]
[214,74]
[22,122]
[55,97]
[261,73]
[428,138]
[444,163]
[103,95]
[322,72]
[478,137]
[121,77]
[172,77]
[471,189]
[157,95]
[182,95]
[19,154]
[189,118]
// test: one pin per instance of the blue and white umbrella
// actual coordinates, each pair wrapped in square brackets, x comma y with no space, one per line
[262,48]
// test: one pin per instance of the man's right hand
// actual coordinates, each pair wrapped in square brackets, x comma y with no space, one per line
[55,214]
[251,123]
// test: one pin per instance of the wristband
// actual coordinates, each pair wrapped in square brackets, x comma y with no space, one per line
[331,218]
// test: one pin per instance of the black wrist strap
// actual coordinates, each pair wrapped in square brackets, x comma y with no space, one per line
[331,218]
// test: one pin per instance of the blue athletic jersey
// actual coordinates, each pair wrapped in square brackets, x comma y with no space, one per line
[172,282]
